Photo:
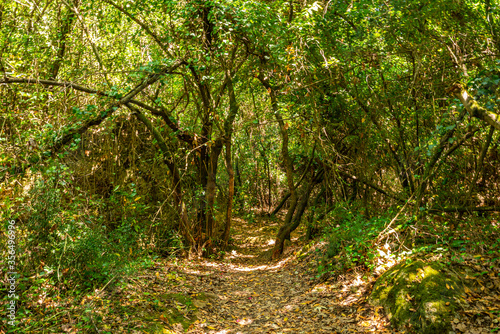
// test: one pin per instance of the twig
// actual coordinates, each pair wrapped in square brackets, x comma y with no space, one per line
[45,321]
[93,323]
[393,219]
[104,287]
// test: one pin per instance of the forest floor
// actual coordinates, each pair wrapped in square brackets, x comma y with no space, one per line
[242,293]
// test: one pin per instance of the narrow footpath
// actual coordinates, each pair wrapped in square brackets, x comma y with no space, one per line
[244,292]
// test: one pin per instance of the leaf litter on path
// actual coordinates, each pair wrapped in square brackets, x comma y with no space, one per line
[242,293]
[252,295]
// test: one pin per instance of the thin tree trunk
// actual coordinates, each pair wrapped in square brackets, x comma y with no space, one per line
[269,187]
[211,189]
[432,162]
[228,131]
[176,180]
[230,195]
[466,209]
[288,194]
[312,215]
[237,184]
[67,23]
[268,170]
[281,203]
[285,230]
[480,163]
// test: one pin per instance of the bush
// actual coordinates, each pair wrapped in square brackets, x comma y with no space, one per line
[351,238]
[64,241]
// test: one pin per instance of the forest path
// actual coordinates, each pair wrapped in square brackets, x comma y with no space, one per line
[241,292]
[246,293]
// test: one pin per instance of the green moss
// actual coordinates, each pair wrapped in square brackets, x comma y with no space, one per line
[419,295]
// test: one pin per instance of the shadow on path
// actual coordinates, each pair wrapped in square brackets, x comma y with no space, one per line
[247,293]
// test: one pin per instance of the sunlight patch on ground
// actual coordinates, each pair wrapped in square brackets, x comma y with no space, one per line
[263,267]
[235,255]
[358,281]
[239,268]
[354,290]
[192,272]
[211,264]
[244,321]
[246,269]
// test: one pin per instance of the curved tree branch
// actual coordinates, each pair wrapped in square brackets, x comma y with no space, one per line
[71,132]
[474,108]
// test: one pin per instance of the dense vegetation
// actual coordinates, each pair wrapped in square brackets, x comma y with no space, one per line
[135,129]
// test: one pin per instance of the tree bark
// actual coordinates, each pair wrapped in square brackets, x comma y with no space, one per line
[230,195]
[211,189]
[371,185]
[480,162]
[286,229]
[428,171]
[288,194]
[228,131]
[465,209]
[278,247]
[312,215]
[281,204]
[237,184]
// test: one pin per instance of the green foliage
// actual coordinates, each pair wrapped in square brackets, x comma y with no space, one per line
[351,240]
[63,243]
[363,82]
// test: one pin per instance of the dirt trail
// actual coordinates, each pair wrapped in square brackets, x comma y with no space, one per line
[246,293]
[240,292]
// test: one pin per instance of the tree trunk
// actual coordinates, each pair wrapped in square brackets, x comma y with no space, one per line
[67,23]
[176,179]
[480,163]
[230,195]
[428,172]
[288,194]
[280,238]
[281,203]
[211,189]
[286,229]
[237,183]
[228,131]
[311,224]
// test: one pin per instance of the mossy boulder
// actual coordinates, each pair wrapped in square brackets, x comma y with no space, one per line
[420,297]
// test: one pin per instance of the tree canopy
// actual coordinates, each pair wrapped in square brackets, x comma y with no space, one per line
[152,124]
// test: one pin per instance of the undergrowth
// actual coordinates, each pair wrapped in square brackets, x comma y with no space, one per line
[354,241]
[66,247]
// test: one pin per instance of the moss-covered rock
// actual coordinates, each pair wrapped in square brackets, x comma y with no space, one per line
[421,297]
